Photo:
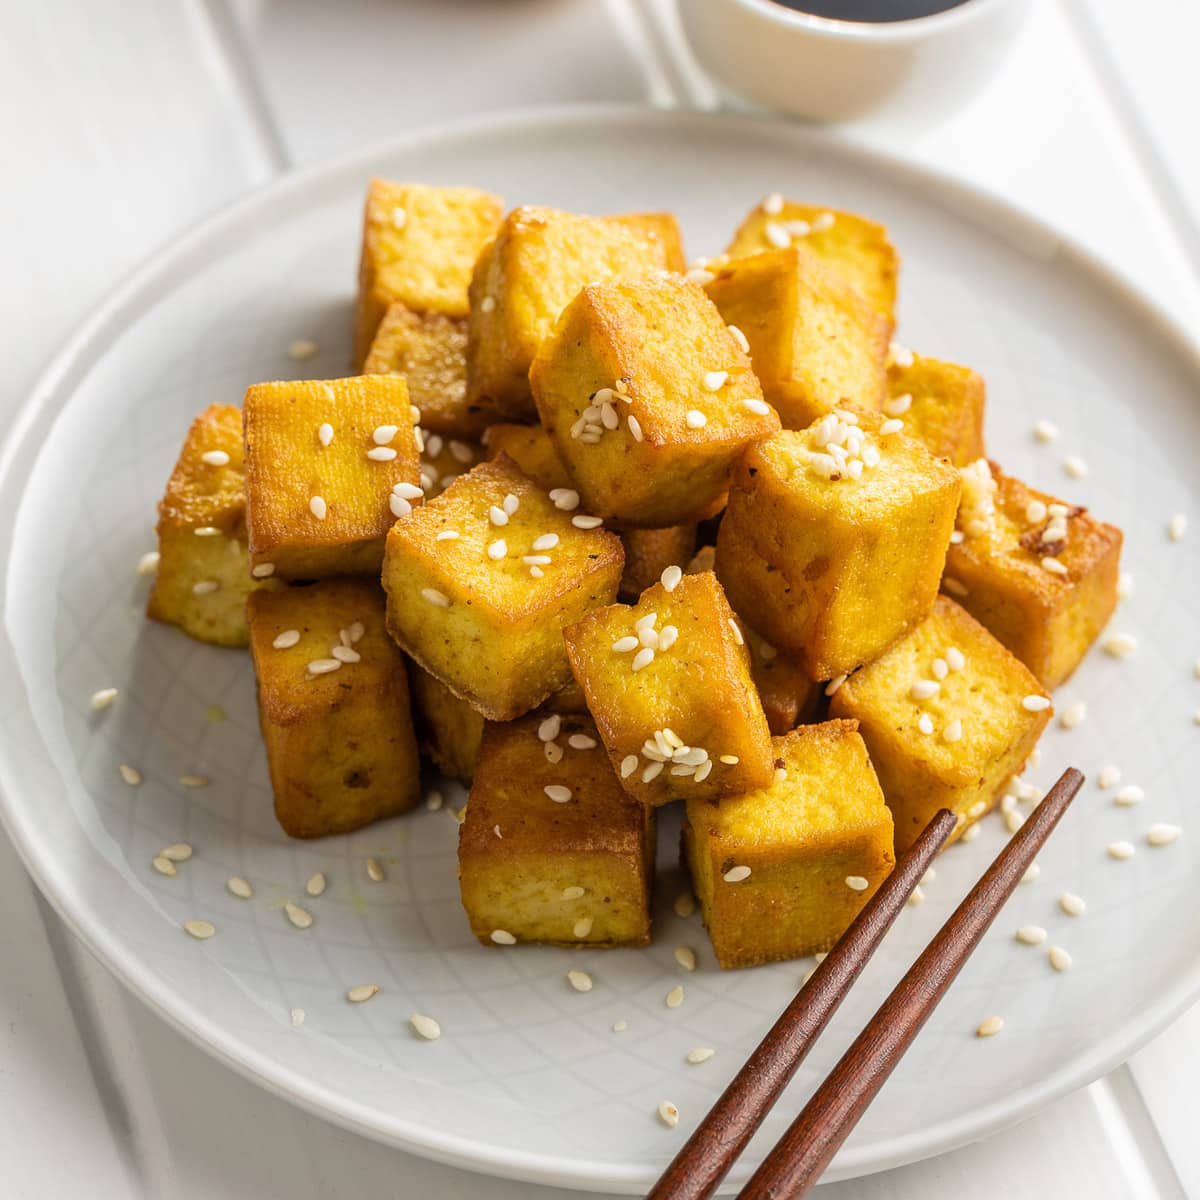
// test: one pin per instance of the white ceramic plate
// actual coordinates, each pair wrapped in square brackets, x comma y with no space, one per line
[528,1080]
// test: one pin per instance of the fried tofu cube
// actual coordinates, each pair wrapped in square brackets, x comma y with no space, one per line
[448,729]
[940,403]
[334,707]
[530,447]
[554,851]
[649,552]
[481,581]
[419,246]
[830,561]
[444,459]
[203,569]
[429,350]
[668,684]
[322,461]
[949,715]
[782,871]
[648,399]
[1039,573]
[858,249]
[816,344]
[525,278]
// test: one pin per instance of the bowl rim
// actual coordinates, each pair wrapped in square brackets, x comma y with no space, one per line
[833,29]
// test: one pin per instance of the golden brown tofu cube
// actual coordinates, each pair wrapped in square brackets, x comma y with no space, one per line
[203,569]
[858,249]
[444,459]
[668,684]
[334,707]
[481,581]
[1040,574]
[648,399]
[554,851]
[429,350]
[322,461]
[940,403]
[944,715]
[782,871]
[829,561]
[815,343]
[649,552]
[524,279]
[448,729]
[419,245]
[530,447]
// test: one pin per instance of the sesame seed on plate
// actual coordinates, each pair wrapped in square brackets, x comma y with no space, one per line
[323,666]
[148,563]
[131,775]
[164,866]
[1060,960]
[1044,431]
[695,419]
[318,507]
[674,998]
[1075,466]
[1073,715]
[1032,873]
[916,897]
[557,792]
[425,1027]
[1072,904]
[296,1016]
[668,1114]
[300,917]
[375,871]
[205,587]
[1129,795]
[856,883]
[1120,850]
[215,458]
[239,887]
[701,1054]
[581,981]
[436,598]
[1013,819]
[194,781]
[1031,935]
[104,698]
[685,956]
[301,349]
[1177,527]
[503,938]
[201,930]
[381,454]
[684,904]
[989,1027]
[1108,777]
[924,689]
[361,993]
[1162,834]
[736,874]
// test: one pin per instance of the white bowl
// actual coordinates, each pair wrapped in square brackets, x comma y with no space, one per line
[830,70]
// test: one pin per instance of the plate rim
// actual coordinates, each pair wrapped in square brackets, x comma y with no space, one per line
[126,303]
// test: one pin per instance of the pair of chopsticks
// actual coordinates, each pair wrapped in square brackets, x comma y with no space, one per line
[804,1151]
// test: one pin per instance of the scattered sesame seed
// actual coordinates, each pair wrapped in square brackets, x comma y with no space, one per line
[215,458]
[832,687]
[425,1027]
[498,549]
[776,235]
[1109,776]
[1073,715]
[902,356]
[400,507]
[1072,904]
[953,732]
[643,658]
[1075,466]
[503,938]
[164,866]
[575,892]
[383,434]
[205,587]
[916,897]
[924,689]
[772,204]
[375,871]
[652,772]
[487,304]
[925,723]
[344,654]
[206,531]
[318,507]
[891,426]
[300,917]
[856,883]
[497,515]
[296,1016]
[287,639]
[970,834]
[581,981]
[684,905]
[362,992]
[1032,873]
[323,666]
[103,698]
[1162,835]
[381,454]
[263,570]
[586,522]
[201,930]
[1129,795]
[239,887]
[629,764]
[436,598]
[1035,703]
[714,381]
[148,563]
[1060,960]
[953,586]
[536,560]
[194,781]
[685,956]
[736,629]
[670,577]
[736,874]
[1125,585]
[668,1114]
[1053,566]
[1044,431]
[674,998]
[301,349]
[695,419]
[823,221]
[1031,935]
[1013,819]
[325,433]
[1120,850]
[549,729]
[701,1054]
[448,535]
[989,1027]
[557,793]
[1177,527]
[131,775]
[760,408]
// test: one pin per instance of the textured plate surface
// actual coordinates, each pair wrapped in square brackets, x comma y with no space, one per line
[528,1080]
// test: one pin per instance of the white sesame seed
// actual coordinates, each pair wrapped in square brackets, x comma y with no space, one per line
[1034,704]
[325,433]
[375,871]
[701,1054]
[736,874]
[287,639]
[856,883]
[939,669]
[736,630]
[399,217]
[1053,566]
[581,741]
[131,775]
[888,427]
[434,800]
[674,998]
[668,1114]
[215,458]
[1075,466]
[510,504]
[1031,935]
[1072,904]
[1044,431]
[823,221]
[953,732]
[629,764]
[323,666]
[925,724]
[549,729]
[1109,776]
[760,408]
[436,598]
[575,892]
[205,587]
[1013,819]
[318,507]
[497,515]
[345,654]
[685,956]
[497,549]
[557,793]
[953,586]
[536,560]
[652,772]
[383,434]
[104,698]
[301,349]
[776,235]
[902,356]
[425,1027]
[1162,835]
[400,507]
[300,917]
[585,522]
[447,535]
[1073,715]
[1060,960]
[924,689]
[695,419]
[1120,850]
[772,204]
[206,531]
[916,897]
[362,992]
[581,981]
[643,658]
[503,938]
[296,1016]
[164,866]
[1129,795]
[714,381]
[989,1027]
[1177,527]
[148,563]
[201,930]
[194,781]
[671,577]
[970,833]
[487,304]
[381,454]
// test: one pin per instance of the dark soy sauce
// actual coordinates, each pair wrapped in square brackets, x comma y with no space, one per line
[873,11]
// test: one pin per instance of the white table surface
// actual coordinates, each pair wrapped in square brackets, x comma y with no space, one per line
[123,122]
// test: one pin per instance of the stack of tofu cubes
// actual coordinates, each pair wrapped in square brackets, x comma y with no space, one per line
[596,533]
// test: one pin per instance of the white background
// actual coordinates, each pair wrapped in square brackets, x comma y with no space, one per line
[123,122]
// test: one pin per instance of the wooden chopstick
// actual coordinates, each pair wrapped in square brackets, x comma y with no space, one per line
[804,1151]
[718,1140]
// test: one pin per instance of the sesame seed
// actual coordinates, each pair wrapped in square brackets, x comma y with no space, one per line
[239,887]
[714,381]
[823,221]
[730,760]
[695,419]
[652,772]
[557,793]
[833,686]
[205,587]
[890,426]
[549,729]
[1031,935]
[902,356]
[685,956]
[736,874]
[148,563]
[497,515]
[104,698]
[362,992]
[487,304]
[970,833]
[323,666]
[300,917]
[287,639]
[898,405]
[399,217]
[201,930]
[400,507]
[1120,850]
[736,630]
[381,454]
[667,637]
[325,433]
[296,1016]
[643,658]
[318,507]
[1072,904]
[1060,960]
[925,724]
[674,998]
[581,981]
[384,434]
[953,732]
[131,775]
[215,458]
[425,1027]
[1129,795]
[164,866]
[989,1027]
[1053,566]
[629,764]
[916,898]
[668,1114]
[581,741]
[670,578]
[316,884]
[1177,527]
[206,531]
[498,549]
[1162,835]
[585,522]
[760,408]
[436,598]
[1073,715]
[375,871]
[503,938]
[772,204]
[701,1054]
[939,669]
[1109,776]
[194,781]
[301,349]
[1035,703]
[856,883]
[953,586]
[776,235]
[924,689]
[564,499]
[1044,431]
[344,654]
[536,560]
